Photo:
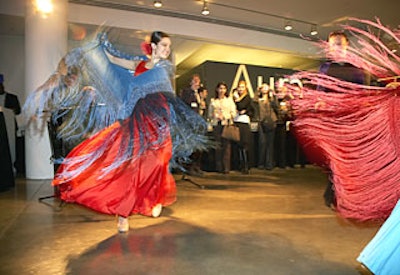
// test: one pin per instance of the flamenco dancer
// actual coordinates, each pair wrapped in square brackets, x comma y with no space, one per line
[354,131]
[338,43]
[138,129]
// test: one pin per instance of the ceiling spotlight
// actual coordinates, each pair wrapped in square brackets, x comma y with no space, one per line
[288,26]
[205,10]
[313,30]
[44,6]
[157,4]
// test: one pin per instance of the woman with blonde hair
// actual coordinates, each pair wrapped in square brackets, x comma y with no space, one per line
[245,112]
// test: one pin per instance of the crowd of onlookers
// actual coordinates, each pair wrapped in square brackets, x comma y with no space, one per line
[267,140]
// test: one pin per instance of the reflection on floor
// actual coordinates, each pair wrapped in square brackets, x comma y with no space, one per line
[268,222]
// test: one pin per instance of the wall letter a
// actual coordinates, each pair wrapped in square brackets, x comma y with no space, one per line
[242,70]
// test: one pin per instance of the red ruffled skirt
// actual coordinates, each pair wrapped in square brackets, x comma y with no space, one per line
[135,186]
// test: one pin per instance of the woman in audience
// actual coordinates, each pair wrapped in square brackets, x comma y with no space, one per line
[221,112]
[246,111]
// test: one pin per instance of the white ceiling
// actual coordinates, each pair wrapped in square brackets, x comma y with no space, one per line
[265,16]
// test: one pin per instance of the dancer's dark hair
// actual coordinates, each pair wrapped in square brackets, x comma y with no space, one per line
[157,36]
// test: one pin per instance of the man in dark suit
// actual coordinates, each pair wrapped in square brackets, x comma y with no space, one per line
[190,95]
[9,104]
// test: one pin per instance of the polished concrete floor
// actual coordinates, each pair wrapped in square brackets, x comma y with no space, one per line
[268,222]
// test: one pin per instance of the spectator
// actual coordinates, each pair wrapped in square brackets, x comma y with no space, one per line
[268,114]
[9,108]
[245,112]
[221,112]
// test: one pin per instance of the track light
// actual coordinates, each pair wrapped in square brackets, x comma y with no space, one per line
[45,7]
[157,4]
[313,30]
[288,26]
[205,10]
